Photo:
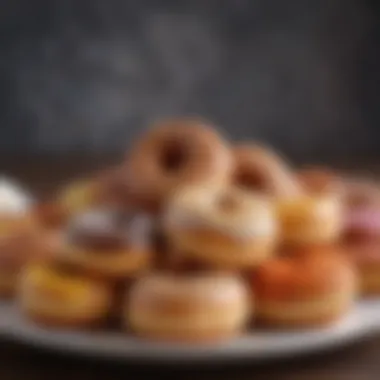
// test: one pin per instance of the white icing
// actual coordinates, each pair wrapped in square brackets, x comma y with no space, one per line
[252,217]
[136,230]
[93,221]
[13,199]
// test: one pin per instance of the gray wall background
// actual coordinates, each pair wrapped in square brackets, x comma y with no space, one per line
[88,76]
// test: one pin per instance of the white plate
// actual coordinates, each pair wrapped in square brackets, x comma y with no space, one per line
[365,319]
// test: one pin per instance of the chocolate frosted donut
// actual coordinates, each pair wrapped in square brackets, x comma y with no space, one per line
[174,153]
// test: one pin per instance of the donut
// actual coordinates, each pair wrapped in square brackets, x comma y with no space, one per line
[259,169]
[55,294]
[15,209]
[365,255]
[315,216]
[312,289]
[50,214]
[11,224]
[196,308]
[318,179]
[174,153]
[222,227]
[17,249]
[73,199]
[19,239]
[78,196]
[362,210]
[113,189]
[109,243]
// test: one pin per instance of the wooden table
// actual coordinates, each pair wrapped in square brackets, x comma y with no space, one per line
[359,361]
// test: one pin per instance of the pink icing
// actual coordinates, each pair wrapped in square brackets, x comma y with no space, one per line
[363,220]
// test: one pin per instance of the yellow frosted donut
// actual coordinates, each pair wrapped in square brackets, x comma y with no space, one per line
[54,295]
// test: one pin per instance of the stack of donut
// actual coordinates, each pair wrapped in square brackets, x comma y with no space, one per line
[191,238]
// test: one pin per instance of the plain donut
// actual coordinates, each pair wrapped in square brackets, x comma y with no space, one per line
[174,153]
[259,169]
[195,308]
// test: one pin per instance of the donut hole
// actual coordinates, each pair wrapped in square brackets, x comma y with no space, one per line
[248,180]
[174,156]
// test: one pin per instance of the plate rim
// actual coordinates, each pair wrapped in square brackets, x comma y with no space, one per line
[362,321]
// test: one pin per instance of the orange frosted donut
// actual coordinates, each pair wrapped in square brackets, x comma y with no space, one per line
[174,153]
[56,295]
[192,308]
[259,169]
[312,289]
[223,228]
[109,244]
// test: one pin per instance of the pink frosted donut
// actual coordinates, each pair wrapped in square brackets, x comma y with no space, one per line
[362,211]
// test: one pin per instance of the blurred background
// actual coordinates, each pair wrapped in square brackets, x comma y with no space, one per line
[85,77]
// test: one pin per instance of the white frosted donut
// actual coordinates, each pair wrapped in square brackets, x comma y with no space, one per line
[224,227]
[188,308]
[14,201]
[231,212]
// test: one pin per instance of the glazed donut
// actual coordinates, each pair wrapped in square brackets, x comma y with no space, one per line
[315,217]
[223,228]
[56,295]
[366,256]
[174,153]
[110,244]
[312,289]
[198,308]
[260,170]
